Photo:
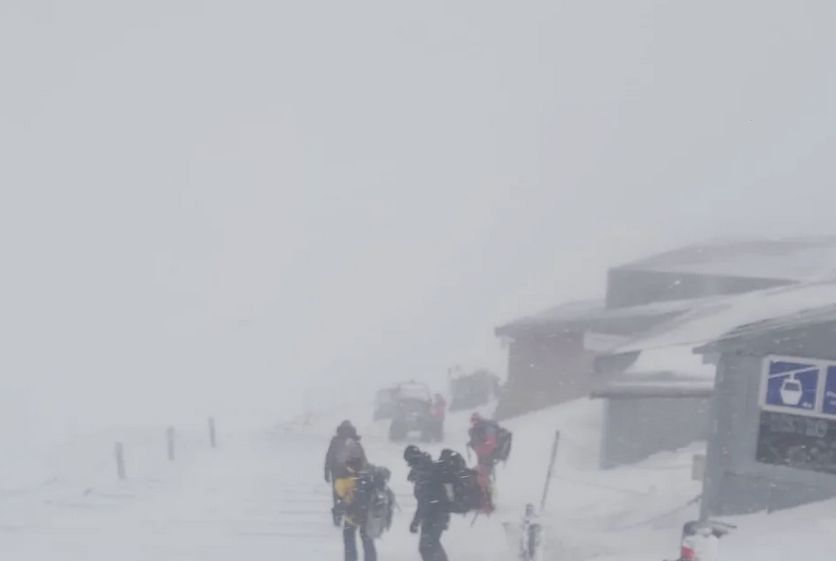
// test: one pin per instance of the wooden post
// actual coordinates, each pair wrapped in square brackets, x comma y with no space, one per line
[170,439]
[119,452]
[550,471]
[213,438]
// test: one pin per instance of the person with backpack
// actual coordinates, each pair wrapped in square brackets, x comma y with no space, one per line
[490,442]
[335,461]
[432,516]
[468,490]
[382,503]
[356,490]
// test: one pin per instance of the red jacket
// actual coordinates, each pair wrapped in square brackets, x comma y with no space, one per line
[483,439]
[439,409]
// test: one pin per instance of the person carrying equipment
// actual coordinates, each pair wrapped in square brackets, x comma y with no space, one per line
[335,461]
[490,442]
[355,492]
[382,503]
[439,409]
[467,490]
[432,516]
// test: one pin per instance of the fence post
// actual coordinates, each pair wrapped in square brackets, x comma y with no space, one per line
[550,471]
[213,438]
[170,439]
[119,451]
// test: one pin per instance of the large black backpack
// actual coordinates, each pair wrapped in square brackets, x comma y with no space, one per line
[381,503]
[461,484]
[504,438]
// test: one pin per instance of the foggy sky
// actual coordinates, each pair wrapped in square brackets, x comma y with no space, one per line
[215,206]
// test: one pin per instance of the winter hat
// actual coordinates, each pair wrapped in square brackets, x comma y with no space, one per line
[412,454]
[347,430]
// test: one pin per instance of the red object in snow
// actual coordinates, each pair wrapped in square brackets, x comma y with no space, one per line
[486,448]
[439,410]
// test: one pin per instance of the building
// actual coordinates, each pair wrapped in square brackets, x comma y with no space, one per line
[716,269]
[557,355]
[551,356]
[662,401]
[773,443]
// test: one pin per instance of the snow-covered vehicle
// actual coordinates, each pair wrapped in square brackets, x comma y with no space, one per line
[468,391]
[384,403]
[412,413]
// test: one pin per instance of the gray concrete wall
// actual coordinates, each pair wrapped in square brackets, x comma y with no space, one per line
[735,483]
[637,428]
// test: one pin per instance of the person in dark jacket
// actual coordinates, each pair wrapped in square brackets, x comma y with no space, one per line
[345,440]
[432,516]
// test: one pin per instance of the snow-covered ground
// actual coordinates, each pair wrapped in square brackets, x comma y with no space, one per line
[261,496]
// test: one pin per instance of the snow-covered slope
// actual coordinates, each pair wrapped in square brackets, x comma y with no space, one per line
[261,497]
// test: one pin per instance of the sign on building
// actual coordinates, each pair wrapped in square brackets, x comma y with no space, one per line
[798,414]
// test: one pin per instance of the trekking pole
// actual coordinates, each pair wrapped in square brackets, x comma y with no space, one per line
[550,472]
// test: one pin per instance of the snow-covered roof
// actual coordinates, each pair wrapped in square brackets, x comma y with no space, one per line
[566,313]
[712,319]
[413,390]
[654,389]
[587,313]
[803,318]
[796,259]
[676,362]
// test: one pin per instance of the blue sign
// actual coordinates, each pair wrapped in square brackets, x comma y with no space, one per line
[829,404]
[792,385]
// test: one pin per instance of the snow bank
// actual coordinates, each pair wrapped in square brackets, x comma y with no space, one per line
[635,513]
[678,361]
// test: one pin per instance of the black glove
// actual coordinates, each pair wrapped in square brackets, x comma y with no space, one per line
[413,528]
[327,476]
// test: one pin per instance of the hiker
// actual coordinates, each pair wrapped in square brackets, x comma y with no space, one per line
[354,490]
[489,441]
[468,490]
[382,503]
[335,461]
[439,410]
[483,439]
[432,515]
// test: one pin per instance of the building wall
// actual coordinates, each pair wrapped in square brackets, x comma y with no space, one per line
[545,370]
[735,483]
[636,428]
[635,287]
